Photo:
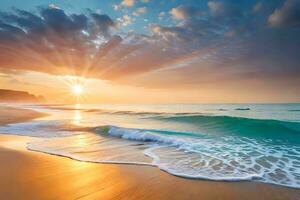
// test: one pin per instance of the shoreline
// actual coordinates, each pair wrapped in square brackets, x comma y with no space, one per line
[10,115]
[30,174]
[26,174]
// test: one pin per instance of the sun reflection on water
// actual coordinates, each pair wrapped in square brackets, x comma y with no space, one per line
[77,115]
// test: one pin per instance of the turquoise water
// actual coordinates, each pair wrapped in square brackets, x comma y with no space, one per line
[230,142]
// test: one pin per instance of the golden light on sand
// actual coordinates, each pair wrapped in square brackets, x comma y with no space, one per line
[77,90]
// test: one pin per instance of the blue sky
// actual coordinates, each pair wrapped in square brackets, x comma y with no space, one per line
[153,8]
[104,6]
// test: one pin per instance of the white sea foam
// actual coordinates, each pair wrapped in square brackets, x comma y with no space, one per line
[219,159]
[39,128]
[222,158]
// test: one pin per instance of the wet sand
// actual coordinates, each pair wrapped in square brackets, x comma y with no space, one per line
[15,115]
[32,175]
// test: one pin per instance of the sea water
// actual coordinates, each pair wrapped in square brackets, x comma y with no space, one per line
[221,142]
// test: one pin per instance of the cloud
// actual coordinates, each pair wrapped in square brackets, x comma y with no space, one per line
[116,7]
[194,28]
[182,12]
[286,16]
[161,15]
[53,6]
[124,3]
[221,9]
[257,7]
[168,33]
[234,40]
[125,20]
[102,23]
[57,43]
[98,11]
[128,3]
[52,41]
[216,7]
[139,11]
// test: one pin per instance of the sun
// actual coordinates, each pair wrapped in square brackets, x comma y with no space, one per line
[77,90]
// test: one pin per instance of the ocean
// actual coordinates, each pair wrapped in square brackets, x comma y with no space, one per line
[219,142]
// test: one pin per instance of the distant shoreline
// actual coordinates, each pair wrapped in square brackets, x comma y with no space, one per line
[15,96]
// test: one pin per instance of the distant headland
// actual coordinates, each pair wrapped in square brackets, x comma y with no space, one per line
[19,96]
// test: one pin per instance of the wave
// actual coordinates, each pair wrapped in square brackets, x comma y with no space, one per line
[276,130]
[216,124]
[67,107]
[272,129]
[222,109]
[214,158]
[146,135]
[160,146]
[189,156]
[242,109]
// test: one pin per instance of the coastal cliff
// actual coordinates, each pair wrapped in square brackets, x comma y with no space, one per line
[19,96]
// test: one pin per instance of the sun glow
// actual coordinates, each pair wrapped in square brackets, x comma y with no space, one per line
[77,90]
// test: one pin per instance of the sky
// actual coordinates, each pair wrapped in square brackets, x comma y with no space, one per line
[151,51]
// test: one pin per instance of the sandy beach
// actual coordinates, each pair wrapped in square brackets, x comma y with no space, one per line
[31,175]
[15,115]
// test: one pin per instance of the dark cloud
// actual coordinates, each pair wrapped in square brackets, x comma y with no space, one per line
[230,43]
[57,20]
[222,9]
[51,41]
[286,16]
[257,7]
[103,23]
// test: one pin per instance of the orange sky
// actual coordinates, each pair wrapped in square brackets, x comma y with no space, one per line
[59,89]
